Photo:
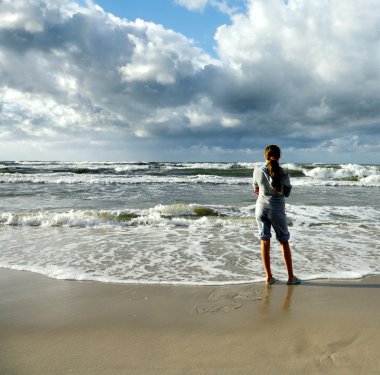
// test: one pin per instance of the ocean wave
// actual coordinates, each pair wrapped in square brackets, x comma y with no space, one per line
[368,181]
[190,244]
[149,173]
[69,273]
[326,242]
[160,215]
[120,180]
[190,215]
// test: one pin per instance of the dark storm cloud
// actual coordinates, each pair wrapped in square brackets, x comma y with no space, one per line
[303,73]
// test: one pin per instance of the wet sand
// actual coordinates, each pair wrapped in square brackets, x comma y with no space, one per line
[53,327]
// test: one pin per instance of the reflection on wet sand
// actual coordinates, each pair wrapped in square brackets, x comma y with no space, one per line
[286,303]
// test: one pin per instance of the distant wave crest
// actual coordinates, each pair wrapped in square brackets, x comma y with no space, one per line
[181,173]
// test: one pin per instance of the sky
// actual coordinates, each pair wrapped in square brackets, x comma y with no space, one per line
[190,80]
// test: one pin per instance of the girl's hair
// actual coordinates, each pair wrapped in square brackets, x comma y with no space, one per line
[272,153]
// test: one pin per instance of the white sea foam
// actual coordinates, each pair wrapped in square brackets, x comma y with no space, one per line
[49,219]
[370,181]
[188,214]
[160,215]
[164,245]
[154,238]
[343,171]
[92,173]
[192,255]
[211,166]
[128,168]
[114,180]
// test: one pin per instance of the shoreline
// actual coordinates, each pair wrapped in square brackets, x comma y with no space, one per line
[51,326]
[185,284]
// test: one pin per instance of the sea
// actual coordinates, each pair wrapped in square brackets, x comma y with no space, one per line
[183,223]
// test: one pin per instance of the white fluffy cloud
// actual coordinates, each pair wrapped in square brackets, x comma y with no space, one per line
[325,41]
[160,55]
[306,64]
[303,73]
[82,70]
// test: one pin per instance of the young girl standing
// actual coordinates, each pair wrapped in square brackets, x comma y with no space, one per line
[272,184]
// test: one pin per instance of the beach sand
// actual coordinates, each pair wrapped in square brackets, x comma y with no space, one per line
[53,327]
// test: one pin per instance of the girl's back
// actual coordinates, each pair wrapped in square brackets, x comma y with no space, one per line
[268,193]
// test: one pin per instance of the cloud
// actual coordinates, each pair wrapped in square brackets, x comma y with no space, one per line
[83,71]
[160,55]
[222,6]
[304,74]
[194,5]
[310,65]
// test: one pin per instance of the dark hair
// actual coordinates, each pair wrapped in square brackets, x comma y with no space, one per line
[272,153]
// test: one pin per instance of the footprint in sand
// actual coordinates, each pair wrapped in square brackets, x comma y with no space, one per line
[226,300]
[255,295]
[218,307]
[336,352]
[233,294]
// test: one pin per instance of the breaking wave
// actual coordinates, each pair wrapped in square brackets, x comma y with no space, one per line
[181,173]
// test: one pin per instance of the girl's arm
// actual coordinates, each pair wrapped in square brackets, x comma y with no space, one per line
[255,190]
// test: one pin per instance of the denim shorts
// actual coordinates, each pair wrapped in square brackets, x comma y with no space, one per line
[268,217]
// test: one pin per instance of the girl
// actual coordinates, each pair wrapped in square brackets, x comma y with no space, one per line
[272,184]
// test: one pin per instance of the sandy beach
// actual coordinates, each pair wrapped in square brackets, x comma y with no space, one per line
[53,326]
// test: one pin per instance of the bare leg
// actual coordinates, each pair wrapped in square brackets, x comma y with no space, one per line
[265,256]
[287,254]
